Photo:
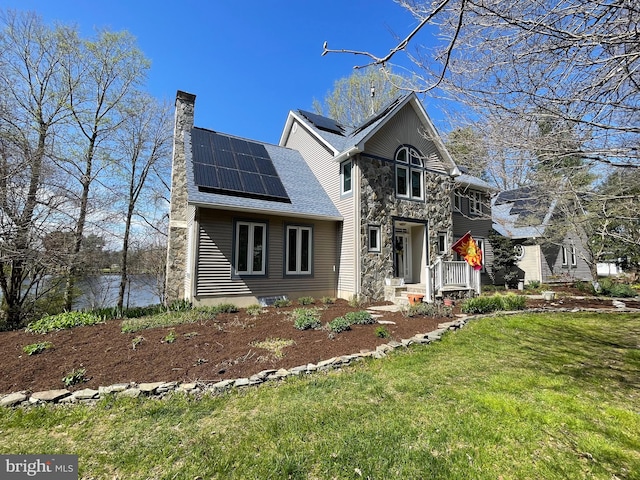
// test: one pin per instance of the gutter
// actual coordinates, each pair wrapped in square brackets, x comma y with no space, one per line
[347,154]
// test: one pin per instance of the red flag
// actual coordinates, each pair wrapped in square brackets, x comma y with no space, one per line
[468,249]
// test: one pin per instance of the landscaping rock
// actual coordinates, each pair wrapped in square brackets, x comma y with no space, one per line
[149,388]
[86,394]
[49,396]
[12,399]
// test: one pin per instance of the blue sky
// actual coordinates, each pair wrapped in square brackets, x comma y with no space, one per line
[248,62]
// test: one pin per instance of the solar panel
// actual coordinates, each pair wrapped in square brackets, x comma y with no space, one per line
[323,123]
[233,166]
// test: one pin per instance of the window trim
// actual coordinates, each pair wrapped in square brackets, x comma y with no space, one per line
[475,202]
[374,231]
[573,255]
[342,177]
[443,239]
[411,163]
[250,240]
[457,201]
[298,253]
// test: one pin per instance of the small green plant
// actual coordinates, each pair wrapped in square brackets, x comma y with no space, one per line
[382,332]
[533,285]
[328,300]
[610,288]
[74,377]
[359,318]
[306,300]
[356,301]
[137,341]
[306,318]
[282,302]
[513,302]
[339,324]
[62,321]
[170,337]
[36,348]
[180,305]
[254,310]
[274,345]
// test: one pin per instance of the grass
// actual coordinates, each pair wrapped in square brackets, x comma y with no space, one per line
[522,396]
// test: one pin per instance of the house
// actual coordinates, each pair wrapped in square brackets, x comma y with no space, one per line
[331,211]
[527,217]
[472,213]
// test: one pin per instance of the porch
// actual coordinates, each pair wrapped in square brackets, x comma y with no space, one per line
[442,277]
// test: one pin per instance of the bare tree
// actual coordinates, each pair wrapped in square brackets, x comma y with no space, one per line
[144,143]
[519,67]
[32,106]
[358,96]
[102,74]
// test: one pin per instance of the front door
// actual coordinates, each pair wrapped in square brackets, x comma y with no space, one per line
[403,255]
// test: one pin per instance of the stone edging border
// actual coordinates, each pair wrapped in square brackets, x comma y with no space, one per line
[160,389]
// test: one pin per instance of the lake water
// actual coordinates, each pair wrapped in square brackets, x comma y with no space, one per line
[102,291]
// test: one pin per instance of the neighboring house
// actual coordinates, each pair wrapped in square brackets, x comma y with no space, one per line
[472,213]
[331,211]
[523,216]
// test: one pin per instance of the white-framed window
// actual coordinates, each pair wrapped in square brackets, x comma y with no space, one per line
[409,174]
[373,238]
[443,243]
[519,251]
[475,203]
[565,257]
[298,254]
[481,243]
[574,257]
[250,248]
[346,181]
[457,201]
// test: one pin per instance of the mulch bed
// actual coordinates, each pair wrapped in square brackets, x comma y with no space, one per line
[213,350]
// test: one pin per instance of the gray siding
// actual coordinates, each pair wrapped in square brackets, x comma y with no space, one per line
[320,160]
[555,271]
[405,128]
[215,253]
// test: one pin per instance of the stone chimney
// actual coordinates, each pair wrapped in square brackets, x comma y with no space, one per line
[177,241]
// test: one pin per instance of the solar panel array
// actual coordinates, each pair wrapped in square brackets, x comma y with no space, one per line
[323,123]
[233,166]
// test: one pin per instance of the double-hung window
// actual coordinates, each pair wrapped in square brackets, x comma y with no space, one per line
[475,203]
[409,174]
[298,256]
[250,246]
[345,177]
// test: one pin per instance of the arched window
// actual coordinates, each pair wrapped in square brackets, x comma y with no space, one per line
[409,173]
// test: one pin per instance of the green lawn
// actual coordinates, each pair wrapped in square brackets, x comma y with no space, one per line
[512,397]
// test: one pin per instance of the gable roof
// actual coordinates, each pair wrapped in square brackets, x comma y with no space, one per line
[252,176]
[522,213]
[345,141]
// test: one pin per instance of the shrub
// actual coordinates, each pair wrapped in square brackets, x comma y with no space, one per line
[74,377]
[339,324]
[62,321]
[306,318]
[585,287]
[359,318]
[328,300]
[282,302]
[382,332]
[36,348]
[254,310]
[220,308]
[513,302]
[610,288]
[493,303]
[306,300]
[427,310]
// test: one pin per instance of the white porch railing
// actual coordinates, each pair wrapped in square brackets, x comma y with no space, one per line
[446,275]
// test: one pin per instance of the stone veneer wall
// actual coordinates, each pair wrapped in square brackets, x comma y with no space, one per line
[378,206]
[177,241]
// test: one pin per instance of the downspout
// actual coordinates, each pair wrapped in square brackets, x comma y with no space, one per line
[357,224]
